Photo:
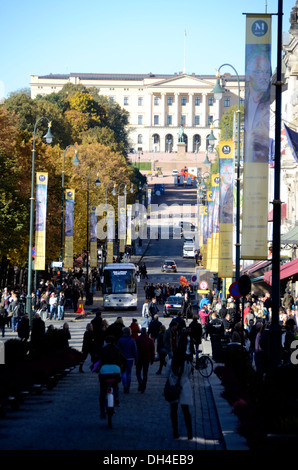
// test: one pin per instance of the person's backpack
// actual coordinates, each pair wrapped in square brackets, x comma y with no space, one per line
[16,311]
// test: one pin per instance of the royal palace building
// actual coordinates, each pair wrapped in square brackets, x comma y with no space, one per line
[158,105]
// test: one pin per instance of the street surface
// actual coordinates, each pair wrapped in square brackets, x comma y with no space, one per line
[67,417]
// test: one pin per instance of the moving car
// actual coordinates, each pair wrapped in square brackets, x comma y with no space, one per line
[173,305]
[169,265]
[188,250]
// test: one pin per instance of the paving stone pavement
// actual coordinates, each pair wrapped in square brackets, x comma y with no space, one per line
[67,417]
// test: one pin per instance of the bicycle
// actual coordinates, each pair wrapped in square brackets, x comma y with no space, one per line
[109,382]
[203,364]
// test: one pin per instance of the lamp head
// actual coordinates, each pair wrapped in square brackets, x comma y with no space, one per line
[114,190]
[211,138]
[76,161]
[218,91]
[49,136]
[97,181]
[206,161]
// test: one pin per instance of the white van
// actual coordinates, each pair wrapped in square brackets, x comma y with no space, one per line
[188,250]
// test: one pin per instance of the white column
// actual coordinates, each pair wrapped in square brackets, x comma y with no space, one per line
[176,116]
[190,119]
[204,111]
[162,120]
[149,108]
[217,109]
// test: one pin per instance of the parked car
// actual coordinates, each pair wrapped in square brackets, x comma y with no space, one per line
[169,265]
[173,305]
[175,172]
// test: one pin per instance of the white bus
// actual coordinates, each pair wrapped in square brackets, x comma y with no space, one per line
[120,286]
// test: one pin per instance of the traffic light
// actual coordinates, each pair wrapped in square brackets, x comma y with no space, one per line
[219,284]
[215,280]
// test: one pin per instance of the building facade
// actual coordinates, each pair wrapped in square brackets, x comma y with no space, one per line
[158,105]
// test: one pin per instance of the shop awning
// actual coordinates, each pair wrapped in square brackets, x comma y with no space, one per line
[283,210]
[256,266]
[286,270]
[291,238]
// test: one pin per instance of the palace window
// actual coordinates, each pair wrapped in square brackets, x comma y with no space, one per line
[140,119]
[197,100]
[169,119]
[156,119]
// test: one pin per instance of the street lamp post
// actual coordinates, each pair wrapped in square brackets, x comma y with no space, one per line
[97,183]
[49,137]
[75,162]
[218,93]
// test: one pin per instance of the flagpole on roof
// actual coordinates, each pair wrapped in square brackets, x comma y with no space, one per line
[184,70]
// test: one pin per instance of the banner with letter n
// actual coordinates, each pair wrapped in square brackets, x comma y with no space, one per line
[225,213]
[93,237]
[209,228]
[69,227]
[256,136]
[110,235]
[128,226]
[122,222]
[215,224]
[40,223]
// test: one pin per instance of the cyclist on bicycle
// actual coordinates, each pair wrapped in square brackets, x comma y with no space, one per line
[112,365]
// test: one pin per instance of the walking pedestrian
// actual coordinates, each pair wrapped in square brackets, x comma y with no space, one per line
[179,368]
[154,328]
[14,311]
[171,338]
[61,305]
[153,308]
[127,346]
[161,350]
[37,331]
[3,320]
[145,308]
[196,332]
[146,355]
[135,329]
[204,317]
[89,346]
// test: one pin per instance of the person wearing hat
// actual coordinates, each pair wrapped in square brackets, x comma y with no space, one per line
[146,355]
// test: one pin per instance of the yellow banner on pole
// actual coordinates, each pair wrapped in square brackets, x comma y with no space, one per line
[225,239]
[41,218]
[69,226]
[256,137]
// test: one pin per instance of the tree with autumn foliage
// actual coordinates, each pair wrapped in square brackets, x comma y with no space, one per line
[81,118]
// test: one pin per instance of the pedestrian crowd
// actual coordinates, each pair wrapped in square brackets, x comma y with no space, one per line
[134,348]
[49,301]
[249,326]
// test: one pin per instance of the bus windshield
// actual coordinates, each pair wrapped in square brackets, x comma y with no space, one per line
[120,281]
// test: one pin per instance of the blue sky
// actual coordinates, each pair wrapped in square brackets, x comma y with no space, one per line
[65,36]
